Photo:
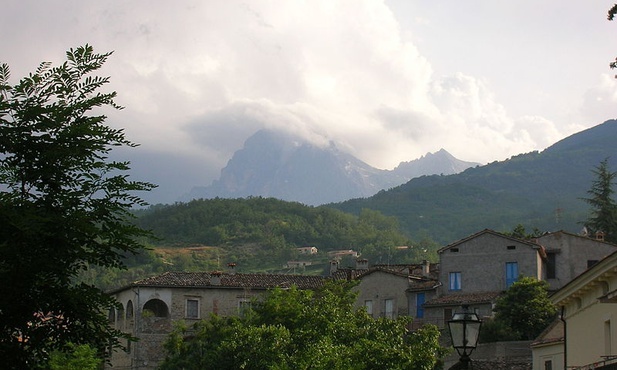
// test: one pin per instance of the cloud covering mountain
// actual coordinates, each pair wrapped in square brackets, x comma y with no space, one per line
[286,166]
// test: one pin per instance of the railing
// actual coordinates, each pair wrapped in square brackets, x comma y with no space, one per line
[609,362]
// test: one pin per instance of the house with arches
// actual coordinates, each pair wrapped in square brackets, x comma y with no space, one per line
[149,308]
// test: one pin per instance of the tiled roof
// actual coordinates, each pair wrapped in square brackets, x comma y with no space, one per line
[487,231]
[422,284]
[458,299]
[554,333]
[229,280]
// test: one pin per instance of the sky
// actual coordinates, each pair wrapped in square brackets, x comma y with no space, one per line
[387,81]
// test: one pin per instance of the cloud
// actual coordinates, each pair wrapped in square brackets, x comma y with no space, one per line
[199,77]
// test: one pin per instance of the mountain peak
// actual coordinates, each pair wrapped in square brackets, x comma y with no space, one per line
[286,166]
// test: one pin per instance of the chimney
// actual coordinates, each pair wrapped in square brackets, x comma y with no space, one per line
[232,267]
[361,264]
[426,268]
[333,267]
[215,277]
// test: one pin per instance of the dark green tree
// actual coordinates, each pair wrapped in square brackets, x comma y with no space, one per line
[603,217]
[523,311]
[64,205]
[520,232]
[301,329]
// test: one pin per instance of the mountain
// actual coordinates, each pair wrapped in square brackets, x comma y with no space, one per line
[538,190]
[280,165]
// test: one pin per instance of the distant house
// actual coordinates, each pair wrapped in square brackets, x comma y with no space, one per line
[392,290]
[149,307]
[296,264]
[307,250]
[338,254]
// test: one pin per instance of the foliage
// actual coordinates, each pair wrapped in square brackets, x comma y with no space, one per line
[302,329]
[75,357]
[524,309]
[603,216]
[259,233]
[534,189]
[611,15]
[519,232]
[63,205]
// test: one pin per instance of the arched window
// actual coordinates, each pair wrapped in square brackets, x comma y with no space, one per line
[129,310]
[156,308]
[112,315]
[120,312]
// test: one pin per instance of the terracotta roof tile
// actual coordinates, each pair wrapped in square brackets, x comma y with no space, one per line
[230,280]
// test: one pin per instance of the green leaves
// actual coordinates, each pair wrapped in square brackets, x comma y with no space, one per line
[524,309]
[63,207]
[603,213]
[302,329]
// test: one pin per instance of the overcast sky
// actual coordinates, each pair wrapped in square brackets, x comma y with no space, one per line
[388,81]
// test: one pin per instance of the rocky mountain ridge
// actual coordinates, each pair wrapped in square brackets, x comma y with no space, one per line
[283,166]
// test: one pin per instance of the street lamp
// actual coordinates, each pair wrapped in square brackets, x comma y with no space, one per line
[464,331]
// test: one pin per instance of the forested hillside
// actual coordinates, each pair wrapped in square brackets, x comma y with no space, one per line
[275,227]
[538,190]
[261,235]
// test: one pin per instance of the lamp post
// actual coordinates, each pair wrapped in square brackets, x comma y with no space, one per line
[464,331]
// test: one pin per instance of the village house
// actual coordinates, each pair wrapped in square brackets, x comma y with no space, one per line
[585,337]
[473,271]
[151,306]
[477,269]
[391,290]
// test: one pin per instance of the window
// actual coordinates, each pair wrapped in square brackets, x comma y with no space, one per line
[420,297]
[447,315]
[129,310]
[511,247]
[455,281]
[192,308]
[155,308]
[608,342]
[511,273]
[368,305]
[454,250]
[551,265]
[548,365]
[389,308]
[244,305]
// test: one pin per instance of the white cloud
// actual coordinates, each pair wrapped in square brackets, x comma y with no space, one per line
[199,77]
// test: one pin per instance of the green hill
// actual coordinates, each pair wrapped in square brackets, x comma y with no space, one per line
[542,190]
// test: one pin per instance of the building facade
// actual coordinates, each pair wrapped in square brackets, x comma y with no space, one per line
[149,308]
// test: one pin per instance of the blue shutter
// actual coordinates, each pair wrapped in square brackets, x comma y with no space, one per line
[511,273]
[420,305]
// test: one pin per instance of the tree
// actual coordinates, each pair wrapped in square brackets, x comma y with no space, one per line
[64,206]
[603,216]
[81,357]
[302,329]
[523,311]
[519,232]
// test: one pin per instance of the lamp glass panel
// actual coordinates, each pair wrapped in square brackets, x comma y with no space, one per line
[473,330]
[457,333]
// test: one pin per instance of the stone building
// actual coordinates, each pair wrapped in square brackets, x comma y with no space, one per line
[149,307]
[477,269]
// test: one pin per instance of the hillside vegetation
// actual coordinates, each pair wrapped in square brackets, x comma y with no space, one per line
[537,190]
[261,235]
